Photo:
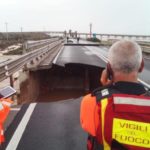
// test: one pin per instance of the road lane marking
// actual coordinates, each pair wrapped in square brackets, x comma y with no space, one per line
[55,59]
[146,84]
[21,128]
[98,54]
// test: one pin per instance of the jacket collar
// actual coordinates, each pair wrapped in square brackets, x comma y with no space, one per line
[129,87]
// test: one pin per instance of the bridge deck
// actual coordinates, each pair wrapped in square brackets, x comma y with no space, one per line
[52,126]
[78,55]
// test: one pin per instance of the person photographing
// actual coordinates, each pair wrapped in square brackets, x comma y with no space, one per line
[113,115]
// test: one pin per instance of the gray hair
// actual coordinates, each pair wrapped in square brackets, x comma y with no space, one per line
[125,56]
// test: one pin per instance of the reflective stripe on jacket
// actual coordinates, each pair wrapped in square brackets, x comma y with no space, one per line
[128,115]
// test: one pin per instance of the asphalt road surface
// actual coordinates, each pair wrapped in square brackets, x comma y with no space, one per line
[49,126]
[78,55]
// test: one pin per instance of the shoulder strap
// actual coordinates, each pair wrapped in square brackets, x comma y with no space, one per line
[104,92]
[108,91]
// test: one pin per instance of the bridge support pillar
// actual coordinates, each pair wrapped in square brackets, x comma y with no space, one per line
[86,36]
[11,81]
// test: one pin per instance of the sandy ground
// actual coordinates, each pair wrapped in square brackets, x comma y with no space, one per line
[4,83]
[4,58]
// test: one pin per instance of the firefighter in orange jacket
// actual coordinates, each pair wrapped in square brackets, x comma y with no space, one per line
[120,77]
[4,110]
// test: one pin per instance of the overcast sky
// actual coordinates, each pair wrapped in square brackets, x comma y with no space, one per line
[106,16]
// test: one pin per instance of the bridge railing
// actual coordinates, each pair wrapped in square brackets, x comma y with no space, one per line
[32,44]
[8,68]
[146,49]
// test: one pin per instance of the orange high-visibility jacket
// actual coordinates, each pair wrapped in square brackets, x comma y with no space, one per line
[4,110]
[89,116]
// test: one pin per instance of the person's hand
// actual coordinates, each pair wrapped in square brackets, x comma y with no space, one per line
[104,78]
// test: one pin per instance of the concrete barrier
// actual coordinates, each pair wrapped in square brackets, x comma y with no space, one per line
[146,49]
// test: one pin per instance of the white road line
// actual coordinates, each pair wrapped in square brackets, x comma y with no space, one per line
[99,55]
[55,59]
[104,58]
[21,128]
[147,85]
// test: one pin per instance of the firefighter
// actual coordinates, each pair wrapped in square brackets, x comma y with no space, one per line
[116,116]
[4,111]
[78,39]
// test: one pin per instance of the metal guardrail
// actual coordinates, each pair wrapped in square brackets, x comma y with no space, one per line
[8,68]
[32,44]
[146,85]
[81,44]
[146,49]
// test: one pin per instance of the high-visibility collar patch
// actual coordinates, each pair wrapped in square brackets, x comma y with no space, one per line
[131,132]
[105,92]
[131,101]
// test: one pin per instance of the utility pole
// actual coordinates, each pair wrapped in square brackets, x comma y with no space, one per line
[44,29]
[21,35]
[21,29]
[22,41]
[6,24]
[90,30]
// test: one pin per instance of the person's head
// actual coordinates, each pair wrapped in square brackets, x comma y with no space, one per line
[125,58]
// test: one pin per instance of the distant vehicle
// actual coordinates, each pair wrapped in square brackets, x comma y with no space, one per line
[78,38]
[69,41]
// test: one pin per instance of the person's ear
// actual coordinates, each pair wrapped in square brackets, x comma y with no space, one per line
[142,66]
